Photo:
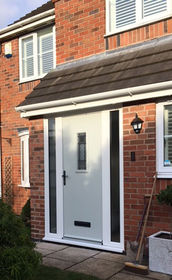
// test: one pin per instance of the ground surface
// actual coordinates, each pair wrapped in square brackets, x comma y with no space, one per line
[103,265]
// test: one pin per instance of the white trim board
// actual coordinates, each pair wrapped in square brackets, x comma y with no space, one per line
[27,23]
[93,104]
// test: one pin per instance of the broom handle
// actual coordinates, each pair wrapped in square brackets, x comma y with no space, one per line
[146,218]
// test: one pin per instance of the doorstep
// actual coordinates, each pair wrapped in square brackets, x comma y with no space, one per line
[103,265]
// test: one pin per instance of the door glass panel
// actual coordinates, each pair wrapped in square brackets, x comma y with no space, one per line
[81,151]
[52,174]
[167,135]
[114,170]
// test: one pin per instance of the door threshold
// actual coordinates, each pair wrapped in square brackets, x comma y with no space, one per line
[112,248]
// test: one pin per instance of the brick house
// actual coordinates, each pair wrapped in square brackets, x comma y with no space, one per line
[74,74]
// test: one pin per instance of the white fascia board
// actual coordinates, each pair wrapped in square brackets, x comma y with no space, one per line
[93,104]
[100,99]
[28,26]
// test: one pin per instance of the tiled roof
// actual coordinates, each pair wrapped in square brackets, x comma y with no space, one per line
[149,64]
[45,7]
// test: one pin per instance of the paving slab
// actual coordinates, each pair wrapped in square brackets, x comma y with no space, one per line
[125,275]
[159,276]
[111,257]
[44,252]
[50,246]
[102,269]
[61,264]
[73,254]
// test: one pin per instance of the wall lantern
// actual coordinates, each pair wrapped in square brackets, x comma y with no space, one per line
[137,124]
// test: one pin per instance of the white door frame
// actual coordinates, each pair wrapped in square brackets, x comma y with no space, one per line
[107,244]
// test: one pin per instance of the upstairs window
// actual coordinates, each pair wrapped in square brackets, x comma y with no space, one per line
[37,54]
[126,14]
[164,140]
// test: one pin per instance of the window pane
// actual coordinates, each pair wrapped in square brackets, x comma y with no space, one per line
[45,52]
[125,12]
[47,62]
[152,7]
[52,174]
[29,67]
[168,135]
[47,44]
[27,57]
[81,151]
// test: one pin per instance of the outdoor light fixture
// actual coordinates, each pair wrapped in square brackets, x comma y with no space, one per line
[137,124]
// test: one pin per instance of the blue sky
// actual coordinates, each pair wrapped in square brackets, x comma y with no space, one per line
[11,10]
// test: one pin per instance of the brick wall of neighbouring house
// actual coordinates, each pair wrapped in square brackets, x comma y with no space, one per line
[12,93]
[138,174]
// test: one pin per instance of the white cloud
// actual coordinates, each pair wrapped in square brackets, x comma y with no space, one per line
[11,10]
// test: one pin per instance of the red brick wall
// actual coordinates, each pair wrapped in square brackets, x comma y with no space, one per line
[12,93]
[37,178]
[138,174]
[80,28]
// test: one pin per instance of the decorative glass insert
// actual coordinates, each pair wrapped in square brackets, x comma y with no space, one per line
[52,174]
[82,151]
[168,135]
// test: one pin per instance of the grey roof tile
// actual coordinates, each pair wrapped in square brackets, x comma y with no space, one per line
[137,67]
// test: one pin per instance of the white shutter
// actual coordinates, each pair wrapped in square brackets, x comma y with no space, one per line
[152,7]
[45,56]
[125,12]
[27,57]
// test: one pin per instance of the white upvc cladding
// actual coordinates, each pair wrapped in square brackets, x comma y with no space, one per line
[37,54]
[123,15]
[163,150]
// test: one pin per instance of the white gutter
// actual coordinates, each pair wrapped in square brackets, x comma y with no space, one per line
[116,95]
[27,23]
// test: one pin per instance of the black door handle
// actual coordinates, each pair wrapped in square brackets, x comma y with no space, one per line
[64,176]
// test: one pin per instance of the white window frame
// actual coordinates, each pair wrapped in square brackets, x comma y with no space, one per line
[24,138]
[110,17]
[162,171]
[35,55]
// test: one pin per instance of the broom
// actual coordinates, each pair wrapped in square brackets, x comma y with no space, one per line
[136,267]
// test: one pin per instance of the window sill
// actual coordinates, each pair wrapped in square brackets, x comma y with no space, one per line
[136,25]
[164,175]
[27,186]
[22,81]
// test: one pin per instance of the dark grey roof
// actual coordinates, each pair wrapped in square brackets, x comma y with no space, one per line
[45,7]
[142,65]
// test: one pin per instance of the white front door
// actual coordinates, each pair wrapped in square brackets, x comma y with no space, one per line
[82,177]
[84,180]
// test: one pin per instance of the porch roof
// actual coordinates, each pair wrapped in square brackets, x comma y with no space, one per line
[141,65]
